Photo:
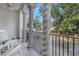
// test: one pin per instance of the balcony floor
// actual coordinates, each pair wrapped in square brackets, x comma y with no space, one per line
[24,51]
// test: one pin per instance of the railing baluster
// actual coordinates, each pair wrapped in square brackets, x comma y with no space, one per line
[73,46]
[67,46]
[63,45]
[59,45]
[55,46]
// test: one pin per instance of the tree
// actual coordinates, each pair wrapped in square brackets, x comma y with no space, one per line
[66,16]
[37,24]
[67,25]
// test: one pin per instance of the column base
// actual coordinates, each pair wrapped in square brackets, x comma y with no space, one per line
[29,47]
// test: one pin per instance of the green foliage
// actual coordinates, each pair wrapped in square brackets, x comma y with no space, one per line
[66,25]
[66,16]
[37,24]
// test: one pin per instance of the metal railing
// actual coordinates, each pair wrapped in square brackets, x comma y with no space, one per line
[64,45]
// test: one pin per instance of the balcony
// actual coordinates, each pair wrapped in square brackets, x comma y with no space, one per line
[17,40]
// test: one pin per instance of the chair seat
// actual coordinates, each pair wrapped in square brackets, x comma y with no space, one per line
[4,41]
[7,46]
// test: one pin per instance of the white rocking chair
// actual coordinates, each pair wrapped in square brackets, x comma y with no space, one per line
[6,43]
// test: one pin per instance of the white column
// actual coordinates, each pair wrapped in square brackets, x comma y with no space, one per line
[21,24]
[46,29]
[24,26]
[31,17]
[25,14]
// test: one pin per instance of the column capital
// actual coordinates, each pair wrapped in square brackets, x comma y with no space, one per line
[31,6]
[25,8]
[48,5]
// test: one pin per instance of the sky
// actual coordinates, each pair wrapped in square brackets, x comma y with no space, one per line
[37,12]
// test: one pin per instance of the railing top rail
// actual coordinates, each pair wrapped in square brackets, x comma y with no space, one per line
[36,31]
[64,35]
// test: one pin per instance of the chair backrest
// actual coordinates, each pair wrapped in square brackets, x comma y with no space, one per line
[3,35]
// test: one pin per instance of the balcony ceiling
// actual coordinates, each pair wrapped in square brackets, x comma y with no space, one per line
[17,6]
[12,6]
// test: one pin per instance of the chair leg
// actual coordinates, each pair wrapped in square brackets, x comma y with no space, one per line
[9,47]
[20,52]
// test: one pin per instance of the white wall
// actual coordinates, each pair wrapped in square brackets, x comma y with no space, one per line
[9,20]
